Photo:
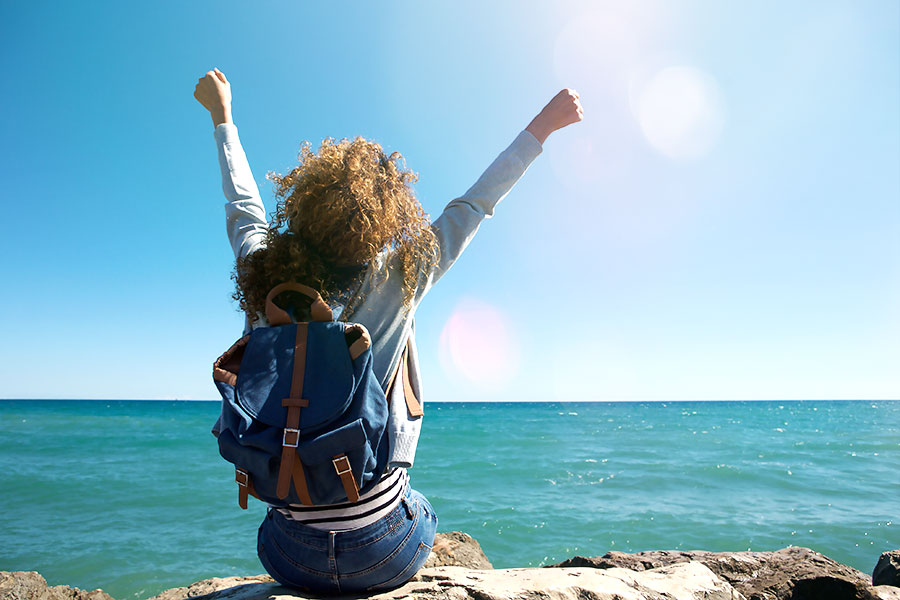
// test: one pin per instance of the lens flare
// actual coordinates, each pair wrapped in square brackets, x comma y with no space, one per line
[680,111]
[477,343]
[596,49]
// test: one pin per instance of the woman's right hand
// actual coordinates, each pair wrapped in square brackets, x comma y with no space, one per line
[564,109]
[213,91]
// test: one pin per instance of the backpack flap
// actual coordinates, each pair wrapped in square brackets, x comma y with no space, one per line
[266,372]
[337,462]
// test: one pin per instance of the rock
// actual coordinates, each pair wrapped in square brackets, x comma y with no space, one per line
[248,586]
[685,581]
[458,549]
[887,571]
[886,592]
[29,585]
[792,573]
[457,569]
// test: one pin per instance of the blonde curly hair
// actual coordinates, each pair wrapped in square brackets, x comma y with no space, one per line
[336,211]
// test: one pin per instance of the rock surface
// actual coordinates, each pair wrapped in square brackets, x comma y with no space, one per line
[29,585]
[792,573]
[243,587]
[886,592]
[887,571]
[458,569]
[685,581]
[459,549]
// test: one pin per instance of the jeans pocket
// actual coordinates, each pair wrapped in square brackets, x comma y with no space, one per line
[418,559]
[263,547]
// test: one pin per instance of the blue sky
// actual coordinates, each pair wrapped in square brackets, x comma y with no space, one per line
[723,224]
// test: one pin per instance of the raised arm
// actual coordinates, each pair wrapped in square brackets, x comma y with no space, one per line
[213,91]
[245,215]
[461,218]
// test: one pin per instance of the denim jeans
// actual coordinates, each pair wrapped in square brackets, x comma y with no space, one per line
[380,556]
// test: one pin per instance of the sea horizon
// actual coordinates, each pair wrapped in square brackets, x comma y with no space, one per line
[487,401]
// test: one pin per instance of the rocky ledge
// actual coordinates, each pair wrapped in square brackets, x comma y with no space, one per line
[458,570]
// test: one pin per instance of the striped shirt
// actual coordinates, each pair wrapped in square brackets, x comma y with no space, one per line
[371,506]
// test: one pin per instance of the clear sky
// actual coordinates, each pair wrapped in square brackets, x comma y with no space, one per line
[724,223]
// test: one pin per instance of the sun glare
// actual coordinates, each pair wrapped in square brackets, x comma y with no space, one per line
[680,111]
[477,344]
[596,49]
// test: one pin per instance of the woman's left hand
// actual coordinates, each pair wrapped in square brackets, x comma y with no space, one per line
[213,91]
[564,109]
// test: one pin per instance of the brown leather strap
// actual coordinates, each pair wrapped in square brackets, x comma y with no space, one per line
[299,478]
[362,343]
[412,403]
[284,471]
[390,385]
[291,436]
[289,441]
[318,310]
[299,362]
[342,467]
[245,486]
[226,367]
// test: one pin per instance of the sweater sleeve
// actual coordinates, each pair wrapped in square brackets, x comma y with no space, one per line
[454,229]
[461,218]
[245,215]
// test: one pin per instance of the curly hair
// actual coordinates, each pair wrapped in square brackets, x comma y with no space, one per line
[336,212]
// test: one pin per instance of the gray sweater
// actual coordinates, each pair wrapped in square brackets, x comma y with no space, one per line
[381,311]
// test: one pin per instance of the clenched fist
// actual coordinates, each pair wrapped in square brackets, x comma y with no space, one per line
[564,109]
[214,92]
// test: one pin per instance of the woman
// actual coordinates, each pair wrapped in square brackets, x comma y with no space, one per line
[348,224]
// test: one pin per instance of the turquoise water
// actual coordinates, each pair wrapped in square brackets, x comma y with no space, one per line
[133,497]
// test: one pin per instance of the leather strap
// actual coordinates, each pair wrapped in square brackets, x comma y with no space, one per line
[245,486]
[362,343]
[390,385]
[291,467]
[226,367]
[412,403]
[299,364]
[342,467]
[318,310]
[299,478]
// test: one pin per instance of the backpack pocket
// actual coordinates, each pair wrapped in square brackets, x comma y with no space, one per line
[338,464]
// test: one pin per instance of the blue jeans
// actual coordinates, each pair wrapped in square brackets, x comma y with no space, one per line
[380,556]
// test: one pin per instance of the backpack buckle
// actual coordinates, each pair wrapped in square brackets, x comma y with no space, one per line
[342,465]
[243,481]
[241,477]
[294,437]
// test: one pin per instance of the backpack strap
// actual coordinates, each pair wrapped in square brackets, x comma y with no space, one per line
[342,468]
[291,467]
[319,310]
[412,403]
[245,486]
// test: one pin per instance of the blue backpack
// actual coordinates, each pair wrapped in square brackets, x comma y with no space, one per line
[304,418]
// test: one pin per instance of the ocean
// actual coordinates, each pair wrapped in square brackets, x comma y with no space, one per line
[132,496]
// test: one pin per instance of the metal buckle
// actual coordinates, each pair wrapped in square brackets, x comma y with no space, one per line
[295,433]
[241,477]
[342,468]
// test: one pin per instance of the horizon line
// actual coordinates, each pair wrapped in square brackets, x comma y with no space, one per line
[483,401]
